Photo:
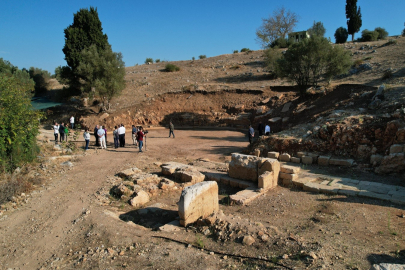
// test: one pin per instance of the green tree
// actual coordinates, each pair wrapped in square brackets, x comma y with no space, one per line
[382,33]
[311,60]
[278,25]
[85,31]
[19,123]
[41,79]
[341,35]
[317,29]
[367,35]
[353,16]
[103,70]
[61,74]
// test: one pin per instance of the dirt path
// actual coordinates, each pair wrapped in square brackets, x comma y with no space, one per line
[49,224]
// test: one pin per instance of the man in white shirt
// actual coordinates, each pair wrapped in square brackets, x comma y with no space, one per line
[267,130]
[101,137]
[56,132]
[72,122]
[121,135]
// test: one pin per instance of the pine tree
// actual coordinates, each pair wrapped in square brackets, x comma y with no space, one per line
[353,16]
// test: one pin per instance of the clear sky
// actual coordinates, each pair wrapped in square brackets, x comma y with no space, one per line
[31,32]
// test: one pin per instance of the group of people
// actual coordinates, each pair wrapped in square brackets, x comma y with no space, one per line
[100,134]
[62,130]
[263,130]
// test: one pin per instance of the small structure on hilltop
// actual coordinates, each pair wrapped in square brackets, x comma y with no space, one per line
[298,36]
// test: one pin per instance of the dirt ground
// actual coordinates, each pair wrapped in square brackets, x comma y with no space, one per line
[63,224]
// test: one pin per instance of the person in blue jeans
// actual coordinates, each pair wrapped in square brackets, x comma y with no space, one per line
[140,136]
[86,136]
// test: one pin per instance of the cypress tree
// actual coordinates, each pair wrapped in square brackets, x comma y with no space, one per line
[353,16]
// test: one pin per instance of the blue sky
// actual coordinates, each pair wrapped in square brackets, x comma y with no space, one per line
[31,32]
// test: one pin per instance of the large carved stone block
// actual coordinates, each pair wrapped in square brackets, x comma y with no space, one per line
[243,167]
[199,200]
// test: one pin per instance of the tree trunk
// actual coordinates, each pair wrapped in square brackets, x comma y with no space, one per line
[352,37]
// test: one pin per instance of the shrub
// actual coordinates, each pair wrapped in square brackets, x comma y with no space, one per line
[157,61]
[203,56]
[391,42]
[271,56]
[341,35]
[193,58]
[280,43]
[171,68]
[245,50]
[148,60]
[382,34]
[312,59]
[235,51]
[367,35]
[358,62]
[387,74]
[403,32]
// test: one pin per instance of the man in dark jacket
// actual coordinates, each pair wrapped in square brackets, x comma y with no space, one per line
[62,132]
[95,135]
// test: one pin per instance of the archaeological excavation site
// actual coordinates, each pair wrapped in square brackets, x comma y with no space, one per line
[324,189]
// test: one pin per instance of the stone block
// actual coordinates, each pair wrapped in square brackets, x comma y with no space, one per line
[286,107]
[170,168]
[257,152]
[392,163]
[273,155]
[140,198]
[243,167]
[328,189]
[341,162]
[375,160]
[268,165]
[311,187]
[245,196]
[199,200]
[284,157]
[396,148]
[267,180]
[301,154]
[189,175]
[289,169]
[288,176]
[306,160]
[295,160]
[301,181]
[323,160]
[166,184]
[314,157]
[129,172]
[286,182]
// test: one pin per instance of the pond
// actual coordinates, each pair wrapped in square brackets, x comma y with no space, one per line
[40,103]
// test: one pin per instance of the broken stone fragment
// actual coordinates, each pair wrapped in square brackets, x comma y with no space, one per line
[140,198]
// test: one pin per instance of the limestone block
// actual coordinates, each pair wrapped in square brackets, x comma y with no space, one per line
[170,168]
[387,266]
[166,184]
[341,162]
[392,163]
[273,155]
[288,176]
[267,180]
[243,167]
[121,190]
[189,175]
[301,154]
[129,172]
[286,107]
[323,160]
[396,148]
[289,169]
[284,157]
[268,165]
[295,160]
[199,200]
[257,152]
[287,182]
[144,178]
[140,198]
[306,160]
[314,157]
[376,159]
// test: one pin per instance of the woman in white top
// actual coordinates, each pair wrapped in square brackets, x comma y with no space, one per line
[86,136]
[56,131]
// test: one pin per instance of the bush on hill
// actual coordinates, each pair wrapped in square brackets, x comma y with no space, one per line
[171,68]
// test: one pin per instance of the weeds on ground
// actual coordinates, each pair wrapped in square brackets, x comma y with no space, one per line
[387,74]
[199,242]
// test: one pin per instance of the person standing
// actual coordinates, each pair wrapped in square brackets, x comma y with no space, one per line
[72,122]
[62,132]
[140,136]
[66,131]
[115,135]
[101,136]
[171,127]
[86,136]
[121,134]
[251,134]
[260,128]
[95,135]
[56,132]
[105,134]
[267,130]
[134,131]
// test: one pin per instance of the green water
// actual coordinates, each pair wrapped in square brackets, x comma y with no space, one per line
[40,103]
